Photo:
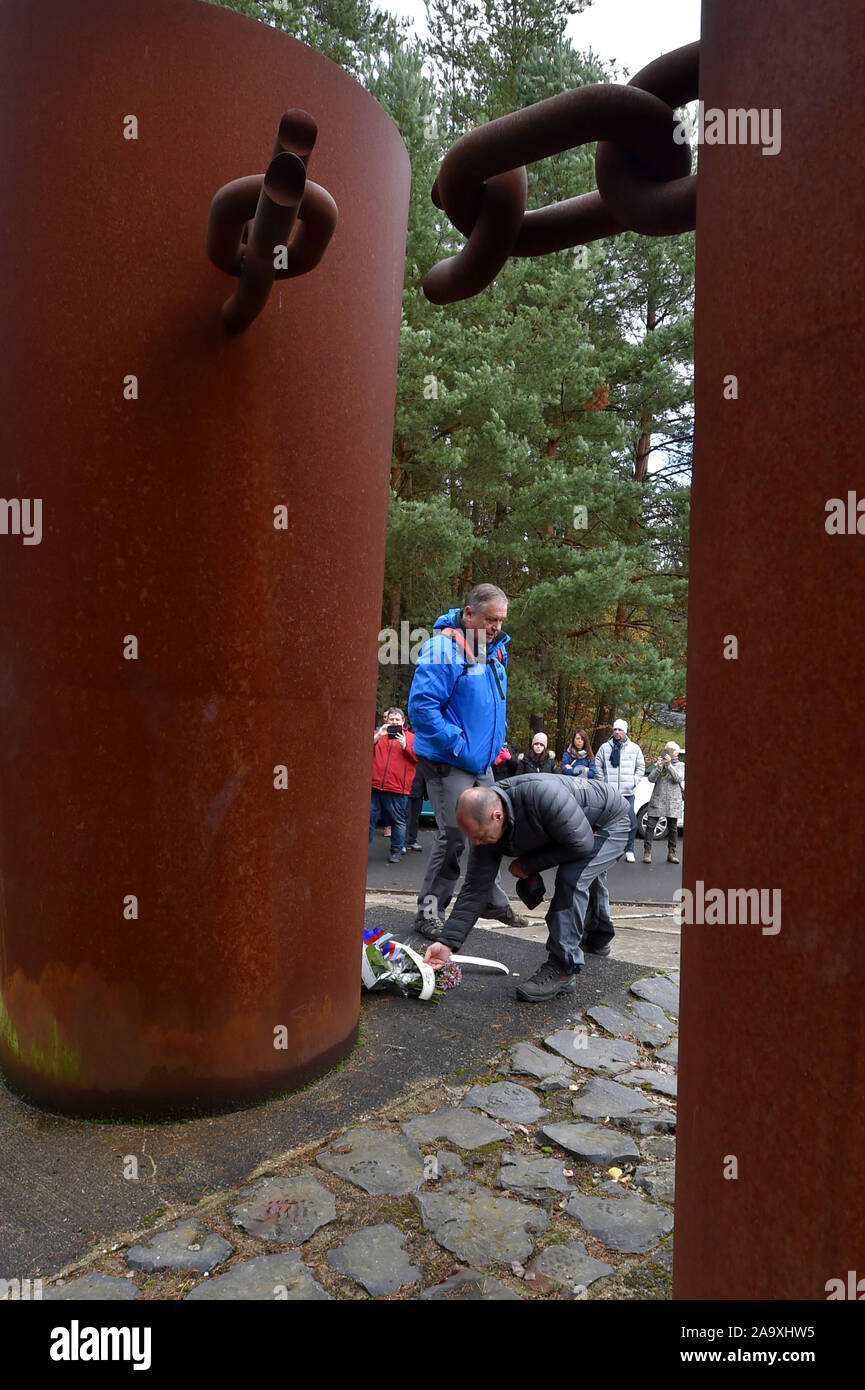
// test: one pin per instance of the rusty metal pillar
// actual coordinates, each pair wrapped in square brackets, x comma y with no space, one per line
[772,1082]
[179,918]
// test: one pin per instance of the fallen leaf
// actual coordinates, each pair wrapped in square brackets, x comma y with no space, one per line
[615,1173]
[568,1172]
[518,1269]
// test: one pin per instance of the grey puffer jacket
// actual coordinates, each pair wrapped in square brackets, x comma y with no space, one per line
[549,820]
[632,765]
[667,799]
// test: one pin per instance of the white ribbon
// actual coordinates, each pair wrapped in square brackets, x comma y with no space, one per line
[479,960]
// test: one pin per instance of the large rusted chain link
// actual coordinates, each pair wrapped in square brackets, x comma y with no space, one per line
[251,217]
[642,169]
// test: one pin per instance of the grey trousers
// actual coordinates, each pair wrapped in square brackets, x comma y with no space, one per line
[444,785]
[570,911]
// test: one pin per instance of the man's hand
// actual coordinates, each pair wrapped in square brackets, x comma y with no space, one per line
[516,868]
[401,740]
[437,955]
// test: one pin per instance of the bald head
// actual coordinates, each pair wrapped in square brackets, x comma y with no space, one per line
[480,814]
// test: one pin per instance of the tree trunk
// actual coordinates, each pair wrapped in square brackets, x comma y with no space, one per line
[561,714]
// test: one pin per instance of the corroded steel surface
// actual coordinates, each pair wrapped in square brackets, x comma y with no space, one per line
[155,778]
[772,1042]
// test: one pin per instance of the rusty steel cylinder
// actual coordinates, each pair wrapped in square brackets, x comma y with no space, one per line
[772,1080]
[192,531]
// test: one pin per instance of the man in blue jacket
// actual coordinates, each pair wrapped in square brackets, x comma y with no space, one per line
[457,709]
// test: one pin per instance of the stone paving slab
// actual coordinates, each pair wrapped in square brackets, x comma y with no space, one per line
[185,1246]
[658,1080]
[377,1162]
[591,1143]
[478,1227]
[287,1210]
[622,1026]
[626,1223]
[374,1257]
[534,1061]
[657,989]
[592,1053]
[670,1053]
[505,1100]
[90,1288]
[461,1127]
[658,1179]
[471,1286]
[533,1175]
[569,1267]
[602,1099]
[269,1277]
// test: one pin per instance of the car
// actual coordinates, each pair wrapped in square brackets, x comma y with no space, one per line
[679,702]
[642,796]
[426,810]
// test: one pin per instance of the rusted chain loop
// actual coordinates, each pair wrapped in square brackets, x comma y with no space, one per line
[254,218]
[627,189]
[636,128]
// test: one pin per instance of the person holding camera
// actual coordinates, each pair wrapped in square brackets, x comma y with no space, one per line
[394,763]
[668,775]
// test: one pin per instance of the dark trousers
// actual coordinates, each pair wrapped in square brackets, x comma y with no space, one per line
[415,803]
[580,909]
[672,830]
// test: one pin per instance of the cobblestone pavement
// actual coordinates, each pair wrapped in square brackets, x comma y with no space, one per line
[549,1178]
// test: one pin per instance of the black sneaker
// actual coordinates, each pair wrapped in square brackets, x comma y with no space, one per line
[547,982]
[596,950]
[507,916]
[394,857]
[429,927]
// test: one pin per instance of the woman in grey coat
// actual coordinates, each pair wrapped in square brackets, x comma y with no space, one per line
[668,775]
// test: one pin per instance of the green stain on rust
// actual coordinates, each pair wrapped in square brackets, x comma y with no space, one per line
[55,1061]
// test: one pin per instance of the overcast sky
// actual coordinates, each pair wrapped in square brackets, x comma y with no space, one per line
[630,33]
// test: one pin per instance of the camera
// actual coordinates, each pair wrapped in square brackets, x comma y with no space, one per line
[393,730]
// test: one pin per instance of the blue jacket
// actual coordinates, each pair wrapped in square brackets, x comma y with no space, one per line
[578,767]
[471,731]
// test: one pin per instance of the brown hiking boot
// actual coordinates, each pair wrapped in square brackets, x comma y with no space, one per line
[647,852]
[672,857]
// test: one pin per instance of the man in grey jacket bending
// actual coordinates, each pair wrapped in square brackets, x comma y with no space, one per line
[581,827]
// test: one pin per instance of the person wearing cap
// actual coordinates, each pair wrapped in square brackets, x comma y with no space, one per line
[538,758]
[668,775]
[621,764]
[578,826]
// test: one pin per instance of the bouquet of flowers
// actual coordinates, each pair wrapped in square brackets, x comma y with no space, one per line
[385,964]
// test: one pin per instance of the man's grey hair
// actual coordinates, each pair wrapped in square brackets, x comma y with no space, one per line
[484,593]
[477,804]
[394,709]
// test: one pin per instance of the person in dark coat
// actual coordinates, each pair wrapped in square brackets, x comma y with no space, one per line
[579,826]
[538,758]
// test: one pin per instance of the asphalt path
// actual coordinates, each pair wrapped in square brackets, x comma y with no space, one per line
[627,883]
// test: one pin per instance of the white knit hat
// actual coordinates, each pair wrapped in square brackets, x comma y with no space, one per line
[621,724]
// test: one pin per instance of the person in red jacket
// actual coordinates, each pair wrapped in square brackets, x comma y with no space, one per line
[394,762]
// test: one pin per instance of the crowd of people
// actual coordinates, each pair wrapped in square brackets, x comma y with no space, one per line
[577,816]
